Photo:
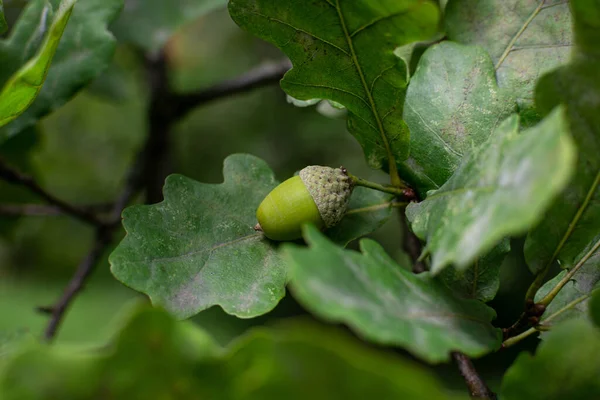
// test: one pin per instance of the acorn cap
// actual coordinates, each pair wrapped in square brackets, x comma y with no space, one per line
[330,188]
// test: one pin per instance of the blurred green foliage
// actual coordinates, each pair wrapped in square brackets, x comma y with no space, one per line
[81,153]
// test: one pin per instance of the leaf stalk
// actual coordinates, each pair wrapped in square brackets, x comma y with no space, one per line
[543,327]
[398,191]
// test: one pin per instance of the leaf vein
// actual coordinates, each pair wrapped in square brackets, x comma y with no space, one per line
[195,252]
[518,34]
[429,128]
[300,30]
[377,20]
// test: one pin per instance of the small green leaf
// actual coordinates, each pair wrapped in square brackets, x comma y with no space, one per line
[198,247]
[452,105]
[150,23]
[585,280]
[367,211]
[481,280]
[572,222]
[565,366]
[78,52]
[499,190]
[23,87]
[343,50]
[385,303]
[3,24]
[526,38]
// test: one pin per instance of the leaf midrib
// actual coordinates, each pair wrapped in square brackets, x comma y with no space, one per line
[369,306]
[510,45]
[196,252]
[391,158]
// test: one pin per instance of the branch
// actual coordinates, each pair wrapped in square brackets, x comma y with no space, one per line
[265,74]
[162,112]
[33,210]
[167,107]
[477,387]
[144,163]
[15,177]
[411,243]
[516,339]
[44,210]
[103,238]
[534,311]
[84,270]
[531,316]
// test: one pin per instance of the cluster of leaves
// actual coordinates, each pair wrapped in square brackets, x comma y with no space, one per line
[496,127]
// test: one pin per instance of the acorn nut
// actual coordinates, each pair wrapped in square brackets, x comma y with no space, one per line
[318,195]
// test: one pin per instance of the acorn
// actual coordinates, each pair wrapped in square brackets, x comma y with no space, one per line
[318,195]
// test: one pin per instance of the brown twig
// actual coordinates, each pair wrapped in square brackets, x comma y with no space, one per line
[410,242]
[15,177]
[531,316]
[477,387]
[103,238]
[161,116]
[412,245]
[142,165]
[84,270]
[33,210]
[264,74]
[44,210]
[167,107]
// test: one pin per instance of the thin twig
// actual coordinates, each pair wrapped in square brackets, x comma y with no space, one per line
[84,270]
[145,163]
[516,339]
[103,238]
[516,327]
[14,176]
[477,387]
[264,74]
[167,107]
[534,311]
[44,210]
[411,243]
[162,111]
[33,210]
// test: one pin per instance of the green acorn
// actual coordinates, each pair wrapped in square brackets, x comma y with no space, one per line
[318,195]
